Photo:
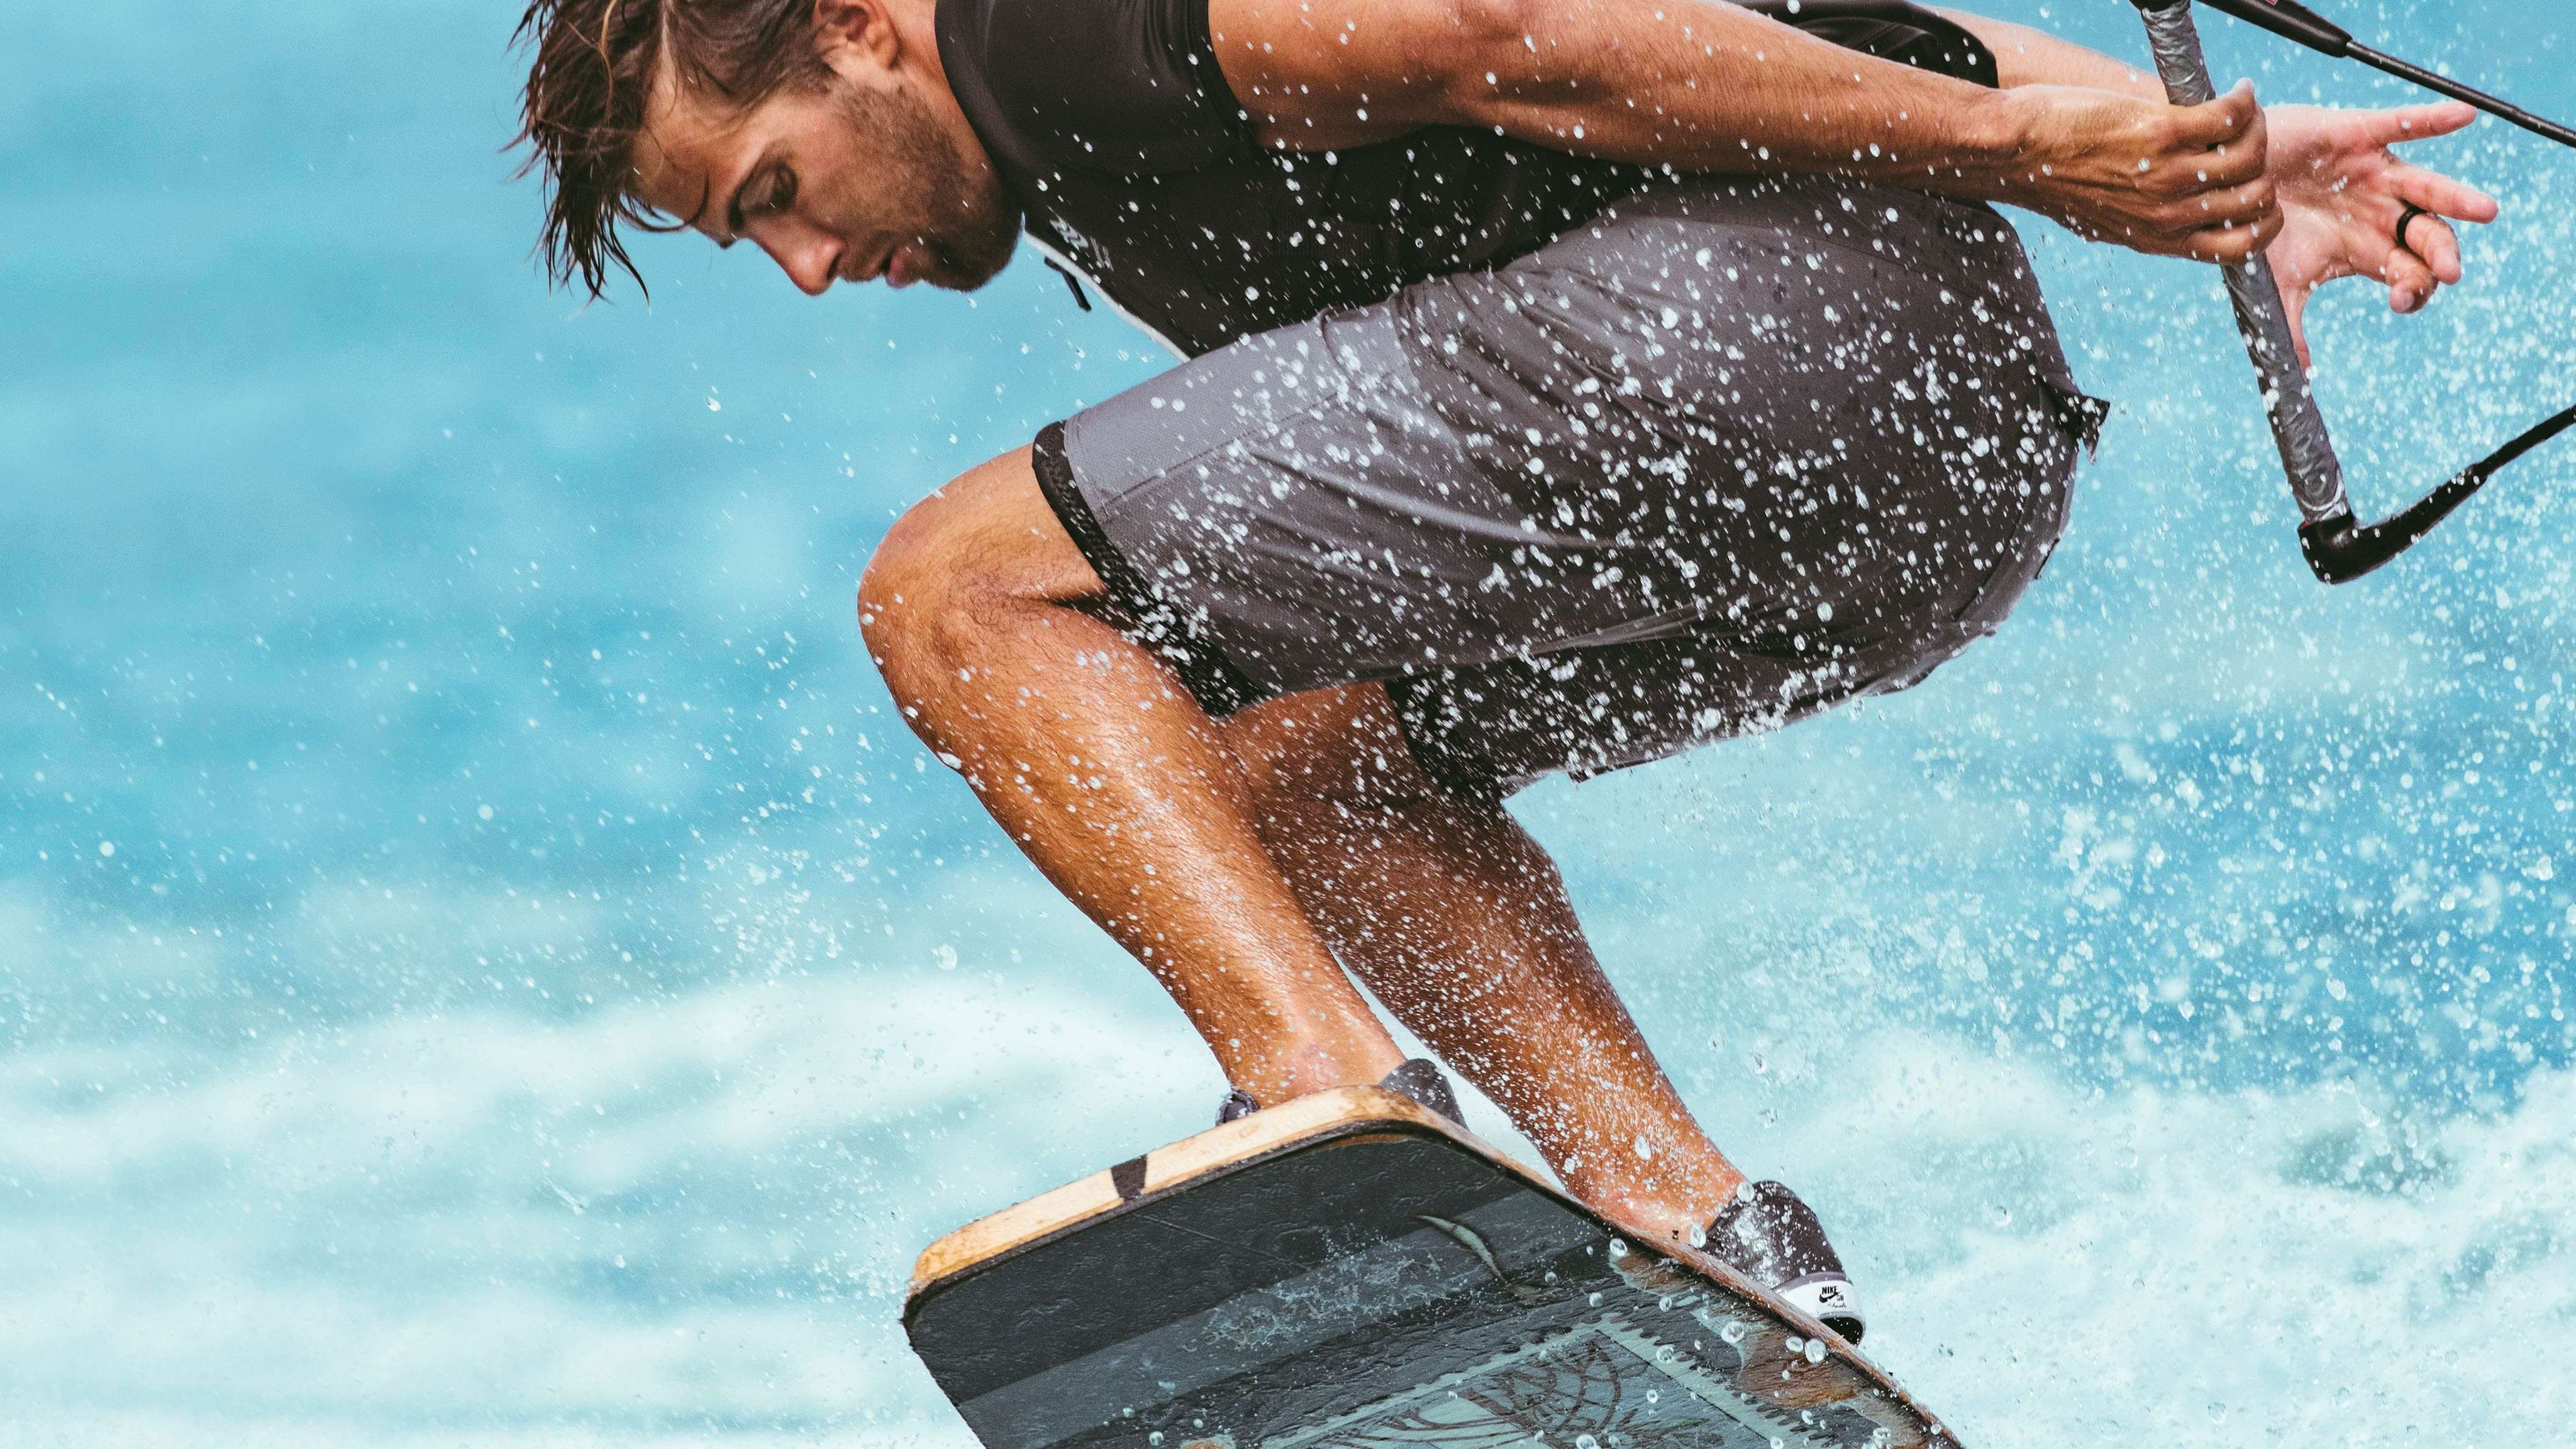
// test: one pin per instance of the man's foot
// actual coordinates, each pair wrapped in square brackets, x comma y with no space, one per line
[1420,1079]
[1771,1237]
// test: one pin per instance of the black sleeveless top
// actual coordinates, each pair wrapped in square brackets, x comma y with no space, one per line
[1132,163]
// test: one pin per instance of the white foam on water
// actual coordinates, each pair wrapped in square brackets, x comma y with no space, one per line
[684,1221]
[688,1221]
[2048,1268]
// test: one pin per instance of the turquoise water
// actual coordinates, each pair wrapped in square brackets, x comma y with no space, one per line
[480,964]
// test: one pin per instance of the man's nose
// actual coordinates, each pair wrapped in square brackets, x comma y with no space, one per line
[810,259]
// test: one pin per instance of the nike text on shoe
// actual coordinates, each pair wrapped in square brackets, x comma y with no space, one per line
[1420,1079]
[1770,1236]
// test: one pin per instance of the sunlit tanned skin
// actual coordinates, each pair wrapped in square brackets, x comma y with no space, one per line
[1255,865]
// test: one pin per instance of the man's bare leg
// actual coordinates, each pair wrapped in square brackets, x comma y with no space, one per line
[1105,771]
[1461,925]
[1101,767]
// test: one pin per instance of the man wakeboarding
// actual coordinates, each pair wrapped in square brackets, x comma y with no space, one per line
[1568,384]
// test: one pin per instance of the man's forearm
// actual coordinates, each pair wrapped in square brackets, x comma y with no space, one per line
[1713,87]
[1731,90]
[1705,86]
[2027,57]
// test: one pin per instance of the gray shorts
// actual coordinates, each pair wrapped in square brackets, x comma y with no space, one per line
[1726,455]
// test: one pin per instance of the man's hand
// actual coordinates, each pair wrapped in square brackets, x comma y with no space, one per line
[2182,181]
[2342,192]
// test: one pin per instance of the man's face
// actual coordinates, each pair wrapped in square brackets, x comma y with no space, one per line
[874,173]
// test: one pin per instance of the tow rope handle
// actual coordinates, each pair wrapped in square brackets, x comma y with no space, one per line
[2338,547]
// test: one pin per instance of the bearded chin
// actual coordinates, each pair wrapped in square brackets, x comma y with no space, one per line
[970,244]
[963,267]
[987,230]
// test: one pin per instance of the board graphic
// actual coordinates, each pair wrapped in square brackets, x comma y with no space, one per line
[1349,1271]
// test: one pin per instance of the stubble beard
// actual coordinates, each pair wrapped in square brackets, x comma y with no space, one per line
[974,225]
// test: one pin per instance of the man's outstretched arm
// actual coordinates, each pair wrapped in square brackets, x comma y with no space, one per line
[1701,85]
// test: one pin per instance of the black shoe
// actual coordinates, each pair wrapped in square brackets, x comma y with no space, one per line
[1420,1079]
[1771,1237]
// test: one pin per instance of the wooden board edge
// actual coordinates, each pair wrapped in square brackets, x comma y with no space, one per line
[1263,1134]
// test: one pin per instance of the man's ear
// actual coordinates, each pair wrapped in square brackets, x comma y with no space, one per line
[861,31]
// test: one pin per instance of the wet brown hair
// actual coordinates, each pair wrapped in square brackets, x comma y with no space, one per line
[595,65]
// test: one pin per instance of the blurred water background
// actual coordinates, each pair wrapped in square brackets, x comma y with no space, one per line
[481,965]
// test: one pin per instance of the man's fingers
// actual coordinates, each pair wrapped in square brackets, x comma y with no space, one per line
[2211,126]
[2241,159]
[2249,203]
[2430,245]
[2234,244]
[2294,301]
[2186,180]
[2411,283]
[2430,235]
[2418,123]
[2444,196]
[2199,157]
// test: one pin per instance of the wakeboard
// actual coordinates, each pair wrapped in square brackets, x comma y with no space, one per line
[1351,1271]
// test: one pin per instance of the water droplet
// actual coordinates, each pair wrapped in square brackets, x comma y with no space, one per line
[1733,1332]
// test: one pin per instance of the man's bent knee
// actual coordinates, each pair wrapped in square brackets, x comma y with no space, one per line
[961,558]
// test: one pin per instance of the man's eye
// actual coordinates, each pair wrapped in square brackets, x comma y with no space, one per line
[782,193]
